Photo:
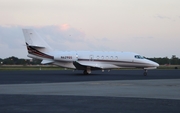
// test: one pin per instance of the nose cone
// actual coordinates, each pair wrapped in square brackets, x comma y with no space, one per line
[155,64]
[152,63]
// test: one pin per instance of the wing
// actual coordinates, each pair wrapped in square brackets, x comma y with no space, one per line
[81,65]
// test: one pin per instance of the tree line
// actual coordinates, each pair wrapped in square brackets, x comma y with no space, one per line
[167,61]
[16,61]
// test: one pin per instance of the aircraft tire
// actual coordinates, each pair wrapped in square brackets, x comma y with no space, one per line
[85,72]
[145,73]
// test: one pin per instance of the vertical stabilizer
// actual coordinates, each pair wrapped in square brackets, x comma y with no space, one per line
[33,39]
[36,46]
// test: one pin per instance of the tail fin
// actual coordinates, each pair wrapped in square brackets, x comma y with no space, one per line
[37,47]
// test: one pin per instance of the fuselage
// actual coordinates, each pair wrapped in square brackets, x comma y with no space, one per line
[83,60]
[104,60]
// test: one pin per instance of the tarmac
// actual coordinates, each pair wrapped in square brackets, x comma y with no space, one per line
[119,91]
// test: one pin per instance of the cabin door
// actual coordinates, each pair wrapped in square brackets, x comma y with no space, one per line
[91,58]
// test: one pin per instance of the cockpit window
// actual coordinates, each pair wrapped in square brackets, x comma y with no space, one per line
[138,57]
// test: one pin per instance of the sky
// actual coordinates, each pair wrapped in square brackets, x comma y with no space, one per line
[147,27]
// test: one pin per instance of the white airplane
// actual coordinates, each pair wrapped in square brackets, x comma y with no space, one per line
[83,60]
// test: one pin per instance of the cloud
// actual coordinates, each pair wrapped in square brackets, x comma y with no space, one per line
[162,17]
[11,42]
[64,27]
[10,35]
[66,38]
[61,37]
[143,37]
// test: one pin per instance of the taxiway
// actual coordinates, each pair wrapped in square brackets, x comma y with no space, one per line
[124,91]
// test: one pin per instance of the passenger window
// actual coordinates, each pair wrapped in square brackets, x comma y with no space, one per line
[107,57]
[111,57]
[102,57]
[116,57]
[97,57]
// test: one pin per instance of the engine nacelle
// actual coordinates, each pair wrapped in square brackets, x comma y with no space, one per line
[65,57]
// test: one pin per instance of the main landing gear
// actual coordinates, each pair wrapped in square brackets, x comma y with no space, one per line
[87,71]
[145,72]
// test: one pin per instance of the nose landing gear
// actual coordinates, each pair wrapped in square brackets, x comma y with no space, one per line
[145,72]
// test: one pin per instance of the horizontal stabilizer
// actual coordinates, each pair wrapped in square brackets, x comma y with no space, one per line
[36,46]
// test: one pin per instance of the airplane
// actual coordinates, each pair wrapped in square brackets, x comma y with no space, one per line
[83,60]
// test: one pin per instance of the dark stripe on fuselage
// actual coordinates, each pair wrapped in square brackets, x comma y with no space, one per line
[118,61]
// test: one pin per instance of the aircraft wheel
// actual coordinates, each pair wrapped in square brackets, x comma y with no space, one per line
[85,72]
[145,73]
